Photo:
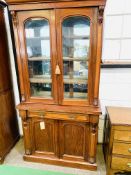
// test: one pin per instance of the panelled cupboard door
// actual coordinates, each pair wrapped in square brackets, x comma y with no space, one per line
[76,42]
[36,31]
[44,136]
[74,138]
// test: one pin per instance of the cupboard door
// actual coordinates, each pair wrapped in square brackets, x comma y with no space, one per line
[74,138]
[44,133]
[75,36]
[38,55]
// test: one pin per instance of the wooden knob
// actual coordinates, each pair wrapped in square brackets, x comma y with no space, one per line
[129,165]
[129,150]
[72,116]
[42,114]
[57,70]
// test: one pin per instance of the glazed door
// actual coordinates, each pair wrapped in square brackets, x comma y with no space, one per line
[38,55]
[76,34]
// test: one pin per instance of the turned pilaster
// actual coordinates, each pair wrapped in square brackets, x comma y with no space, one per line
[93,142]
[26,131]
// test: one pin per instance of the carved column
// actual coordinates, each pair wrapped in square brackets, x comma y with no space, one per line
[93,142]
[26,130]
[98,55]
[100,15]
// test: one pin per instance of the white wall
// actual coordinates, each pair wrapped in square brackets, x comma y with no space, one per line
[115,84]
[115,90]
[117,31]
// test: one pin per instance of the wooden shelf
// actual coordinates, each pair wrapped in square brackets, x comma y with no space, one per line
[40,80]
[47,79]
[76,37]
[42,94]
[41,58]
[79,95]
[75,59]
[74,81]
[42,76]
[41,38]
[80,77]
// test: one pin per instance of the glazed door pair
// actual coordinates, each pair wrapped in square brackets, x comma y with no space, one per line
[57,52]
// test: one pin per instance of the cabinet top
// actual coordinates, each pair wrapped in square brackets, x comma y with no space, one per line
[119,115]
[96,2]
[55,108]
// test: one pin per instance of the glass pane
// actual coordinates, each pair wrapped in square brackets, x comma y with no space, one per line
[76,42]
[39,62]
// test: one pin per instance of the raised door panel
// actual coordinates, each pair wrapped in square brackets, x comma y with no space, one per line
[45,136]
[76,39]
[36,34]
[73,140]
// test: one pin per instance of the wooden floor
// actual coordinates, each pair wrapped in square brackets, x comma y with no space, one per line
[15,157]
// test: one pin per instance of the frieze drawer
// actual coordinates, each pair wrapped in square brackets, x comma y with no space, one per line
[59,116]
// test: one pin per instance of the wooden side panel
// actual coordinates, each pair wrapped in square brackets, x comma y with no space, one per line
[8,123]
[73,140]
[5,80]
[44,133]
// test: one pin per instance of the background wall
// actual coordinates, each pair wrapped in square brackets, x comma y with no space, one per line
[115,84]
[117,31]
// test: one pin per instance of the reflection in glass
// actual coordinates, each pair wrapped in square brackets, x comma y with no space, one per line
[38,51]
[76,41]
[41,89]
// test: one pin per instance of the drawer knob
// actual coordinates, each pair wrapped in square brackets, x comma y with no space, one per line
[72,116]
[42,114]
[129,165]
[129,150]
